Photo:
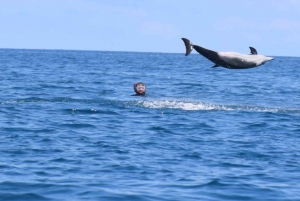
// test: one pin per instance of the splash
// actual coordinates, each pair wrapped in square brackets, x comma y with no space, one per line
[196,105]
[192,105]
[184,105]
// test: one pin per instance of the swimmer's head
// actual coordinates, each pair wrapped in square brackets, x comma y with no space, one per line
[139,88]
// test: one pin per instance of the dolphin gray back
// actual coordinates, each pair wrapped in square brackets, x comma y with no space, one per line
[211,55]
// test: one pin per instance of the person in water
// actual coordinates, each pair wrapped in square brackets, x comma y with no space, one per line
[140,89]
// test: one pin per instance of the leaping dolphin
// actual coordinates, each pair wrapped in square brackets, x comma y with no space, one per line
[232,60]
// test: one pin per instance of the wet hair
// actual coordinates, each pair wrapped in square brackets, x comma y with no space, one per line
[137,84]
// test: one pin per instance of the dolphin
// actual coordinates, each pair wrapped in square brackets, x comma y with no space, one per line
[231,60]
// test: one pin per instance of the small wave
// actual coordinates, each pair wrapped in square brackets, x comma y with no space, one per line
[45,100]
[23,196]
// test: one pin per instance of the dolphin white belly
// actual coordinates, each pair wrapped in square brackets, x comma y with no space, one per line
[243,60]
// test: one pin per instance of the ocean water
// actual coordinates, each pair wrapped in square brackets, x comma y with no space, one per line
[70,129]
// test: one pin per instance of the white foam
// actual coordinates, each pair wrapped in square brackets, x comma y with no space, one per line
[184,105]
[196,105]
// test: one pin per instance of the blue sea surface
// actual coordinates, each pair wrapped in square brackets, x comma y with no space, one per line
[70,129]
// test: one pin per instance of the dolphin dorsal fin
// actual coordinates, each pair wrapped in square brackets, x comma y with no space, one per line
[253,50]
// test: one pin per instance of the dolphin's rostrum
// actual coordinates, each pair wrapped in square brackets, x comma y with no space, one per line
[232,60]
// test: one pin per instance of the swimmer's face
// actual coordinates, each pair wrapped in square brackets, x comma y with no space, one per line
[140,88]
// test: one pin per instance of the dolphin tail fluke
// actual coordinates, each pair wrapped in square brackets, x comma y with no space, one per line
[188,46]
